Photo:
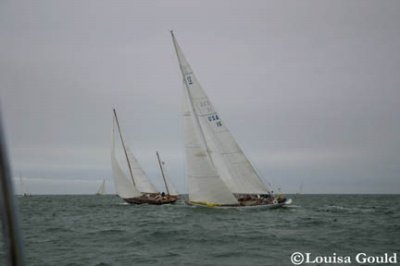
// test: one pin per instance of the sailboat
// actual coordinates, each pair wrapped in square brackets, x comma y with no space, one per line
[136,187]
[300,189]
[218,172]
[24,192]
[102,188]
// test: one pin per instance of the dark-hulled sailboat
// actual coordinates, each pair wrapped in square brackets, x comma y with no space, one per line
[134,187]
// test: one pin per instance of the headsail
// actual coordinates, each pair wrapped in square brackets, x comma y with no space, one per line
[142,182]
[226,156]
[168,184]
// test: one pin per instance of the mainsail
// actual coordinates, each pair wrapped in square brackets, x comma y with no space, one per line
[134,184]
[124,185]
[204,182]
[208,138]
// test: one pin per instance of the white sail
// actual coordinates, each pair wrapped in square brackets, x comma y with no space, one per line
[227,157]
[168,184]
[205,185]
[234,167]
[102,188]
[171,188]
[142,182]
[123,184]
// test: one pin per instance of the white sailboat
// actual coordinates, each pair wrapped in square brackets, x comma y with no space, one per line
[102,188]
[218,172]
[24,191]
[134,187]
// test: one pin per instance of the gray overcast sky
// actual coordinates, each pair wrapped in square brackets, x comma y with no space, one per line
[310,89]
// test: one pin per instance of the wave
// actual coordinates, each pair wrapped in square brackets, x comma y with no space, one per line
[108,231]
[342,209]
[58,230]
[112,234]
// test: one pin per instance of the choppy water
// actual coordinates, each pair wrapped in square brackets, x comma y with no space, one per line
[102,230]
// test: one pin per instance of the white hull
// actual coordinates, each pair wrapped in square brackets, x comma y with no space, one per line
[260,206]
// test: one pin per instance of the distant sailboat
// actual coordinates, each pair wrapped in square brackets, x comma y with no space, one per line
[218,172]
[300,189]
[24,191]
[102,188]
[136,187]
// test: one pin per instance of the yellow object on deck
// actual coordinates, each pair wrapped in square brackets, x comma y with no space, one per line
[206,204]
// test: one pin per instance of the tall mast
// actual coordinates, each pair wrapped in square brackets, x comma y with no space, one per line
[184,73]
[162,172]
[123,145]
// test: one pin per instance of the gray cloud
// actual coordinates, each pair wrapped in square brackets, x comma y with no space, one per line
[309,89]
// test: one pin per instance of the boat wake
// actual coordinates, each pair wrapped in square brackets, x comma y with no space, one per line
[292,206]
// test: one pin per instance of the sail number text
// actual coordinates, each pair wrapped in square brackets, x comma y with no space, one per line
[189,80]
[215,118]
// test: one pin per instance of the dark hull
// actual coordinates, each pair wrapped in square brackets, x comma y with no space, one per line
[158,200]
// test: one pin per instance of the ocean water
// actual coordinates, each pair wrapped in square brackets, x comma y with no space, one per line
[102,230]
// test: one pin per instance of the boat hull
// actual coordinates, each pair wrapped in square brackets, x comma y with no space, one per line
[241,206]
[151,200]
